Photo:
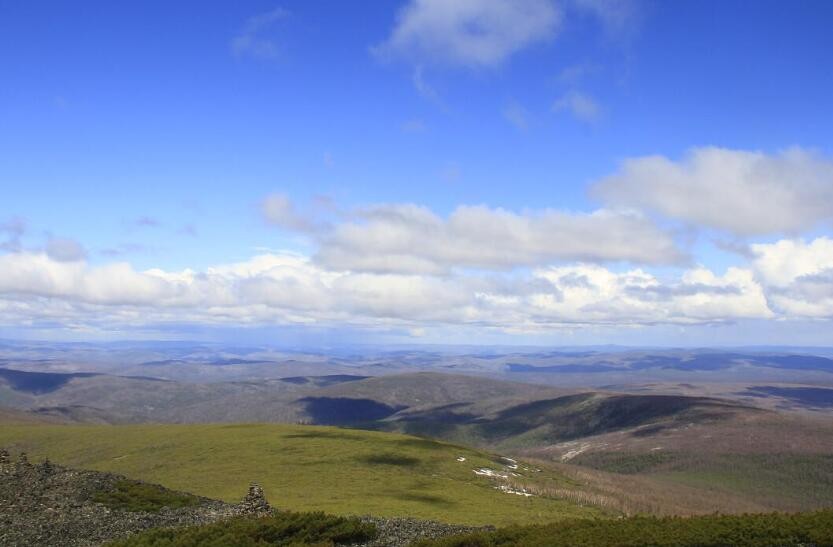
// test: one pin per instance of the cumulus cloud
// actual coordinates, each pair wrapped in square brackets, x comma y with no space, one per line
[782,262]
[471,33]
[254,39]
[596,295]
[292,289]
[580,105]
[413,239]
[798,276]
[742,192]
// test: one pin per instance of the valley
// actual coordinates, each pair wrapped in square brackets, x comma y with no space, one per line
[706,441]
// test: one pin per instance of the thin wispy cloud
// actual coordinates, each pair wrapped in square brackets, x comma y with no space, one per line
[123,249]
[65,249]
[516,115]
[414,125]
[147,222]
[425,90]
[620,19]
[574,75]
[11,232]
[580,105]
[475,34]
[257,39]
[277,209]
[189,230]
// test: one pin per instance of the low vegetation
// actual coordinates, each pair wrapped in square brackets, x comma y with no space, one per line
[782,481]
[748,530]
[136,496]
[280,529]
[305,468]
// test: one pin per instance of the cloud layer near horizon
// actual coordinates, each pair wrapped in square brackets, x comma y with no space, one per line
[787,279]
[404,265]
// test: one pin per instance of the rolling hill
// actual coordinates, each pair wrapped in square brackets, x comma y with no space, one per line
[306,468]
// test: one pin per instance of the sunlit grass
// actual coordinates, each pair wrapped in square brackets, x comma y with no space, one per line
[301,468]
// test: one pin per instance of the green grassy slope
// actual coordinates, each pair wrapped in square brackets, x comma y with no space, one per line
[301,468]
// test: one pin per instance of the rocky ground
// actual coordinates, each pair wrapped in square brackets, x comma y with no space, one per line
[400,532]
[48,505]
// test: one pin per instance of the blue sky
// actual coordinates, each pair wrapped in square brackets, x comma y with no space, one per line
[491,150]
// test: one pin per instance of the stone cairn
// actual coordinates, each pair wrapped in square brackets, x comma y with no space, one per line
[255,502]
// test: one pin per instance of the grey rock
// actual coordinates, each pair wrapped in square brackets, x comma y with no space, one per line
[254,503]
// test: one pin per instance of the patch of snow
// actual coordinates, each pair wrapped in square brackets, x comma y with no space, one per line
[570,454]
[486,472]
[508,490]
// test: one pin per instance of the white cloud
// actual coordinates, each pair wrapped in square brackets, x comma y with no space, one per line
[580,105]
[292,289]
[254,39]
[742,192]
[595,295]
[784,261]
[798,275]
[413,239]
[472,33]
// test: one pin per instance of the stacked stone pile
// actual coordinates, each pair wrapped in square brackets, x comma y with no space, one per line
[254,503]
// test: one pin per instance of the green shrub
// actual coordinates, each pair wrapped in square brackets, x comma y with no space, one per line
[281,529]
[749,530]
[138,496]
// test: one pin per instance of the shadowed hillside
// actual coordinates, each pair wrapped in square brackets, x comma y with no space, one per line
[548,421]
